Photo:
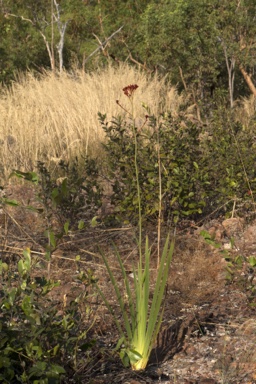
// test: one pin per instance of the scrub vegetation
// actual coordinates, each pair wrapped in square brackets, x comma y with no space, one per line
[127,175]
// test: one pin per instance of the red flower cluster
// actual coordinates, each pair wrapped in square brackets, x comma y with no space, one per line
[128,91]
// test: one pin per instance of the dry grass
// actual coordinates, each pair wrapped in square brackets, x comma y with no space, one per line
[55,117]
[245,110]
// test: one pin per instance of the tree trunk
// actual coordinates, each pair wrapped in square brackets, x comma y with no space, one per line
[248,80]
[51,51]
[230,63]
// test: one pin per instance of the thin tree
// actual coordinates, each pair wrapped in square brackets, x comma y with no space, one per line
[41,25]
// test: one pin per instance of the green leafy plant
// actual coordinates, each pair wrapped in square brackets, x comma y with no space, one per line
[228,153]
[141,317]
[39,338]
[69,188]
[203,168]
[169,158]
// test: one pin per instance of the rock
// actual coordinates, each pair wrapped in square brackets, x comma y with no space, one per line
[233,226]
[250,236]
[215,229]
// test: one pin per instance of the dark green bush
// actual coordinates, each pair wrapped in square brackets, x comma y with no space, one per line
[204,168]
[228,150]
[171,144]
[39,337]
[70,189]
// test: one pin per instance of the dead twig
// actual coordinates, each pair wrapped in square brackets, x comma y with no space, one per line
[101,46]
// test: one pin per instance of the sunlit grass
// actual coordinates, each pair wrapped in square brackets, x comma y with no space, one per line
[50,117]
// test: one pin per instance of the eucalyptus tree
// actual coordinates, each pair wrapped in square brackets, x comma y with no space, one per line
[178,39]
[236,32]
[201,44]
[110,16]
[45,17]
[20,45]
[63,32]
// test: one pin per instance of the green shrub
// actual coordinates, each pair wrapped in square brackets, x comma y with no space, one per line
[70,189]
[141,316]
[39,338]
[168,143]
[228,151]
[205,168]
[67,190]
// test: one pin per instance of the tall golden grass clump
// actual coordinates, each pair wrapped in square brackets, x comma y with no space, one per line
[54,117]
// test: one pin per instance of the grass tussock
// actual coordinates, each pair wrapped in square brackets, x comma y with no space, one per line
[55,117]
[245,110]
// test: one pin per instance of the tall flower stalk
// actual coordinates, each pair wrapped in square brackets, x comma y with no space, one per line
[142,317]
[129,92]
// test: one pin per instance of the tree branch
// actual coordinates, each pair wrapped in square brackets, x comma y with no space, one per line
[102,45]
[19,17]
